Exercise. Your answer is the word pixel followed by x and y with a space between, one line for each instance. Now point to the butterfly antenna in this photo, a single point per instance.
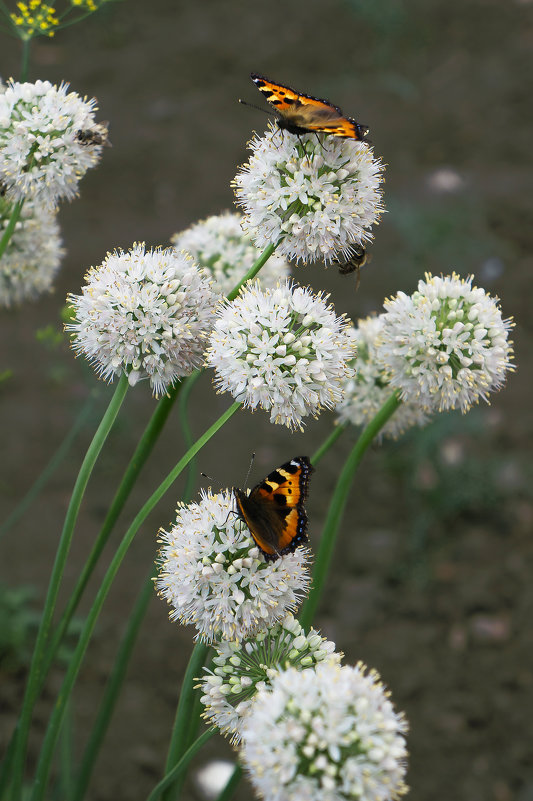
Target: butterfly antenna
pixel 257 108
pixel 214 480
pixel 249 469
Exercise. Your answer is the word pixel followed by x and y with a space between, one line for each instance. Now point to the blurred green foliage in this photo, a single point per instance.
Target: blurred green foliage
pixel 19 622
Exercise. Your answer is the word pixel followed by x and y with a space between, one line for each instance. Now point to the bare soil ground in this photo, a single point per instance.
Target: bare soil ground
pixel 432 584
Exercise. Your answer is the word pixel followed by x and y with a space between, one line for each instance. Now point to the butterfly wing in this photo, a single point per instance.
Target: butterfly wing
pixel 300 113
pixel 274 510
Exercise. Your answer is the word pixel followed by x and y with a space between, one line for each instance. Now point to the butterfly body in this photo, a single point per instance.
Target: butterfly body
pixel 299 113
pixel 274 509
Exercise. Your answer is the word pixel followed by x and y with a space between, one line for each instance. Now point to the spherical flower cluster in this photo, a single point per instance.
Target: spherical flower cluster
pixel 32 256
pixel 145 313
pixel 325 734
pixel 319 195
pixel 243 668
pixel 220 245
pixel 214 576
pixel 446 345
pixel 42 155
pixel 368 390
pixel 283 350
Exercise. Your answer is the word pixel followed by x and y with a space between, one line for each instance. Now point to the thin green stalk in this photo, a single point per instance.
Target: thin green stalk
pixel 112 690
pixel 186 431
pixel 25 66
pixel 231 784
pixel 51 467
pixel 54 725
pixel 254 269
pixel 13 220
pixel 181 728
pixel 141 454
pixel 137 461
pixel 326 445
pixel 66 760
pixel 116 679
pixel 34 679
pixel 337 505
pixel 182 764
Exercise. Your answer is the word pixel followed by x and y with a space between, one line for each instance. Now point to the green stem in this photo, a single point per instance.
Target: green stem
pixel 66 760
pixel 51 467
pixel 187 433
pixel 141 454
pixel 43 767
pixel 13 220
pixel 337 505
pixel 34 679
pixel 181 728
pixel 254 269
pixel 182 764
pixel 25 66
pixel 231 784
pixel 115 682
pixel 112 690
pixel 326 445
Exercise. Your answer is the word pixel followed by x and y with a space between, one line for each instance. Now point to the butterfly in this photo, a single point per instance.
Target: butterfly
pixel 274 509
pixel 299 113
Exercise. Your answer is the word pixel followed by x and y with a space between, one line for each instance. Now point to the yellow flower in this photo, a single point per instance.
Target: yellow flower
pixel 35 18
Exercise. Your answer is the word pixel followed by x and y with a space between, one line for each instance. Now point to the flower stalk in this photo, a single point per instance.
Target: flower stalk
pixel 56 719
pixel 38 660
pixel 337 506
pixel 13 220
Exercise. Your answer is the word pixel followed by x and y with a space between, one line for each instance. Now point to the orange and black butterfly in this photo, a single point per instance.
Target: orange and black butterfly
pixel 274 509
pixel 299 113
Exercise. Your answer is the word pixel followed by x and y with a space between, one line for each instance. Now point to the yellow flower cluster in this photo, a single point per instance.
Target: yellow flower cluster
pixel 88 4
pixel 35 18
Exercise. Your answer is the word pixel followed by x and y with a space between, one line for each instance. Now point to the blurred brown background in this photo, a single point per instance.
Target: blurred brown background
pixel 432 580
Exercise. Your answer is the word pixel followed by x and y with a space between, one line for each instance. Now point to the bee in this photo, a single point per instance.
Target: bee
pixel 97 135
pixel 354 264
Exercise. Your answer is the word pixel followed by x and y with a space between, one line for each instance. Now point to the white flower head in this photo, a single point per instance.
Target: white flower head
pixel 242 668
pixel 31 259
pixel 319 195
pixel 446 345
pixel 220 245
pixel 146 313
pixel 43 155
pixel 368 389
pixel 213 575
pixel 325 734
pixel 283 350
